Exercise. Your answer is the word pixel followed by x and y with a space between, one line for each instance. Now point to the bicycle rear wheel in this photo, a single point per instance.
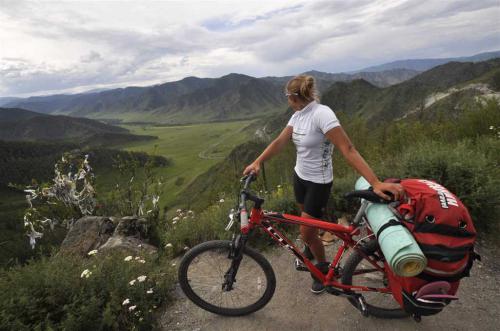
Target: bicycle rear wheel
pixel 360 272
pixel 201 277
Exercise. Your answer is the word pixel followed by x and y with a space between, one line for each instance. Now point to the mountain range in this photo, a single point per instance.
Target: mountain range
pixel 426 64
pixel 237 96
pixel 420 93
pixel 192 99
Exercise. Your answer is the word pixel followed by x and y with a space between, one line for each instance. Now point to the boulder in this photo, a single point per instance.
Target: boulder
pixel 107 233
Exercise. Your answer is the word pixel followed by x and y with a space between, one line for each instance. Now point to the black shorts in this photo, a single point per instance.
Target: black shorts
pixel 313 196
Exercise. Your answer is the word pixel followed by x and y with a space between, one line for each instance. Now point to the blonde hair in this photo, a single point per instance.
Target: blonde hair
pixel 304 86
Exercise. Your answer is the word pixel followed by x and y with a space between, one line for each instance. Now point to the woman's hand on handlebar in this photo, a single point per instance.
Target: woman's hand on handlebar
pixel 396 190
pixel 254 167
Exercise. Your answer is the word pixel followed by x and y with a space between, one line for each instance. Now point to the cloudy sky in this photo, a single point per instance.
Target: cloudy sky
pixel 73 46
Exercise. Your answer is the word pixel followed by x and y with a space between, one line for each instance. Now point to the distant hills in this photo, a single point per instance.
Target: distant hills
pixel 24 125
pixel 192 99
pixel 235 96
pixel 417 94
pixel 426 64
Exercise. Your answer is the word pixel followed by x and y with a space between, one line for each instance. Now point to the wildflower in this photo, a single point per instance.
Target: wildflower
pixel 149 291
pixel 141 278
pixel 137 258
pixel 491 128
pixel 221 200
pixel 132 308
pixel 279 186
pixel 173 264
pixel 178 211
pixel 132 282
pixel 155 200
pixel 174 222
pixel 190 212
pixel 175 219
pixel 125 302
pixel 86 273
pixel 140 319
pixel 169 245
pixel 140 245
pixel 186 248
pixel 92 252
pixel 142 261
pixel 128 258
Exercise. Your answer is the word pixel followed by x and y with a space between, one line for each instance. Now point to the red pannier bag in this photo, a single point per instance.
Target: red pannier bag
pixel 443 228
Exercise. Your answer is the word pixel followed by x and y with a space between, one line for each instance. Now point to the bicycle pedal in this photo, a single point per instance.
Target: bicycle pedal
pixel 300 266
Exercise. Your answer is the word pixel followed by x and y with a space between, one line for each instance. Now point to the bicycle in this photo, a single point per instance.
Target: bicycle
pixel 361 279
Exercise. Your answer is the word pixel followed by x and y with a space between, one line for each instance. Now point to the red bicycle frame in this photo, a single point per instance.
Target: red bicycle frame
pixel 260 219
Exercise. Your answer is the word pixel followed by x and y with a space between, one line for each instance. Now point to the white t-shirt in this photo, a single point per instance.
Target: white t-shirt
pixel 314 150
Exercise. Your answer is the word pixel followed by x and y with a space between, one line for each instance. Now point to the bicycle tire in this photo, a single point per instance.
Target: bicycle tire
pixel 351 265
pixel 252 262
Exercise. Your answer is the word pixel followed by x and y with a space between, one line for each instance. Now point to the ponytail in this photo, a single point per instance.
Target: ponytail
pixel 304 86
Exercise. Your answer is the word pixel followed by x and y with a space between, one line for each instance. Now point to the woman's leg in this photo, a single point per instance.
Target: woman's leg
pixel 310 237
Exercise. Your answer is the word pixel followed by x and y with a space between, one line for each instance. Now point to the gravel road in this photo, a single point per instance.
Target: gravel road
pixel 294 307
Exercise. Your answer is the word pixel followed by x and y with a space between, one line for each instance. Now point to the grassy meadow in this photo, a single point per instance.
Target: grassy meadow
pixel 193 149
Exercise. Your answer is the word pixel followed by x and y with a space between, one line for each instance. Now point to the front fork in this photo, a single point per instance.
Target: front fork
pixel 236 248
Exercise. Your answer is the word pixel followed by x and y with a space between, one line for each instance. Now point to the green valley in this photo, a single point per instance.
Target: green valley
pixel 193 149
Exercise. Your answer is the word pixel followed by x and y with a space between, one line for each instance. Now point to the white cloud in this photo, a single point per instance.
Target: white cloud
pixel 70 46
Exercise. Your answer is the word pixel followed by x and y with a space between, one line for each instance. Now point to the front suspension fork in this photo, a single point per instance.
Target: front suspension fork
pixel 236 248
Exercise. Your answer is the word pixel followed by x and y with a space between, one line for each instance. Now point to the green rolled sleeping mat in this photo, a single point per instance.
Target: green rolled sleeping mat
pixel 399 247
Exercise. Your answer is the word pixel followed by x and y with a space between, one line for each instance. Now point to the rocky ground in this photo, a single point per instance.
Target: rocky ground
pixel 294 307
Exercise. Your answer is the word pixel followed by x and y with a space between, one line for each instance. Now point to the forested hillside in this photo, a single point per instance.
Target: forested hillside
pixel 24 125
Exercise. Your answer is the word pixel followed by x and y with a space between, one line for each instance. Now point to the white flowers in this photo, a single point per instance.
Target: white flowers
pixel 141 278
pixel 155 200
pixel 169 245
pixel 142 261
pixel 126 302
pixel 86 273
pixel 150 291
pixel 221 200
pixel 131 308
pixel 132 282
pixel 128 258
pixel 92 252
pixel 176 218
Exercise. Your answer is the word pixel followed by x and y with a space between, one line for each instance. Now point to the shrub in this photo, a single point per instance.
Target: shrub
pixel 56 293
pixel 464 169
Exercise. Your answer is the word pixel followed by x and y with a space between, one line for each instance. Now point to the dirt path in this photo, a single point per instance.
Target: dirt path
pixel 294 307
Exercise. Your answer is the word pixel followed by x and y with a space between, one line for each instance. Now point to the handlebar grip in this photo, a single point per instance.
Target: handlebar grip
pixel 248 179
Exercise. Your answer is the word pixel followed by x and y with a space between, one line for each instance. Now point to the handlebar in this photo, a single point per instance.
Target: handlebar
pixel 246 194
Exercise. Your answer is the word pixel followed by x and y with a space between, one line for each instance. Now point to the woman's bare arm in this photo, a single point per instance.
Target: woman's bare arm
pixel 272 149
pixel 339 138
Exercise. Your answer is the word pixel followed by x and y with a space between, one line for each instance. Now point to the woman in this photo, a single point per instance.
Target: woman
pixel 315 130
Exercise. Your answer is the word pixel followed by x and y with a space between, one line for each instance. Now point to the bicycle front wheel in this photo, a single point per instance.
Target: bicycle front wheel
pixel 360 272
pixel 201 277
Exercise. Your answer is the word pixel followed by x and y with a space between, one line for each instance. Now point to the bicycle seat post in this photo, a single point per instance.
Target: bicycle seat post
pixel 360 213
